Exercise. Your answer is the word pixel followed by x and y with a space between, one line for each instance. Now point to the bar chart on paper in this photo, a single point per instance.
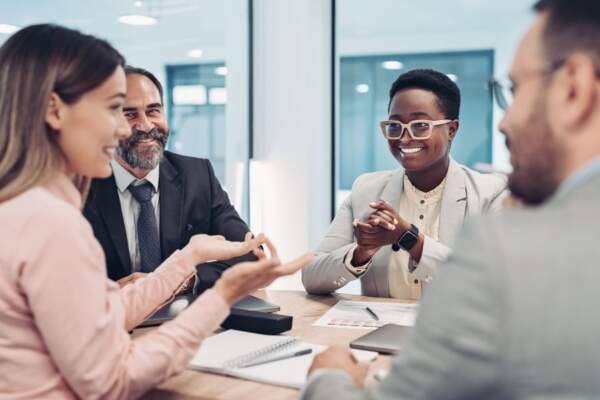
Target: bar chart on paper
pixel 361 314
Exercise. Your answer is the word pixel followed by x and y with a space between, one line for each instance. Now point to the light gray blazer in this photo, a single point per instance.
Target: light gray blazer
pixel 512 315
pixel 467 193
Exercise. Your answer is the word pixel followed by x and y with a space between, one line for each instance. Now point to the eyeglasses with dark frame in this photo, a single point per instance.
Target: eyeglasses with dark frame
pixel 503 90
pixel 420 129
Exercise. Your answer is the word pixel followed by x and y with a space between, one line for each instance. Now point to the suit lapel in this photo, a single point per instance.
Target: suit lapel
pixel 110 208
pixel 171 207
pixel 454 204
pixel 391 193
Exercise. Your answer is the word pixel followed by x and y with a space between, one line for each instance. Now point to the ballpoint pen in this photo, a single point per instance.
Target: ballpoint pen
pixel 372 313
pixel 277 358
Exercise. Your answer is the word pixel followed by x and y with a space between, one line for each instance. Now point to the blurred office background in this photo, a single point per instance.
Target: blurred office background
pixel 198 49
pixel 469 40
pixel 284 96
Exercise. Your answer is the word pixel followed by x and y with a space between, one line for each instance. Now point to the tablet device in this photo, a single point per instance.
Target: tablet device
pixel 385 340
pixel 181 302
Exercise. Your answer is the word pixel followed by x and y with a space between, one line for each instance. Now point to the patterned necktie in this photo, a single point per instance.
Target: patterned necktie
pixel 147 228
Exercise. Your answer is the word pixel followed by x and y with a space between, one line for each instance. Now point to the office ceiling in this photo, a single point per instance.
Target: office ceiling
pixel 199 22
pixel 187 24
pixel 362 18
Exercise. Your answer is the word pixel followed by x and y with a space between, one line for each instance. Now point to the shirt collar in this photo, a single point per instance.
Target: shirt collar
pixel 579 178
pixel 415 195
pixel 124 178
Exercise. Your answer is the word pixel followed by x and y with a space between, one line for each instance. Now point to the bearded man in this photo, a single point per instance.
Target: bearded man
pixel 156 200
pixel 512 314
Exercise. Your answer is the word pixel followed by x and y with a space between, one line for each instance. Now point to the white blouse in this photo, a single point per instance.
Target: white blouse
pixel 423 210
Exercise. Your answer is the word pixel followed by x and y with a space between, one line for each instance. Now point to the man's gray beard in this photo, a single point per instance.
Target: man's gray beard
pixel 140 159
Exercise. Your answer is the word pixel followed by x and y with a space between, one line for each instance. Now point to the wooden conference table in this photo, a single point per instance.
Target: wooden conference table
pixel 306 309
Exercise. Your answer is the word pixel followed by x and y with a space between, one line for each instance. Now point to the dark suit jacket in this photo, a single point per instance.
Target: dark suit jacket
pixel 191 202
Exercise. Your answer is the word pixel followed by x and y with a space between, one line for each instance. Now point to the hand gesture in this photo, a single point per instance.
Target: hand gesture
pixel 386 218
pixel 246 277
pixel 382 227
pixel 204 248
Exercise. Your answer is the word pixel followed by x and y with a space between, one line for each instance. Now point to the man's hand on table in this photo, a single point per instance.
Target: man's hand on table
pixel 337 357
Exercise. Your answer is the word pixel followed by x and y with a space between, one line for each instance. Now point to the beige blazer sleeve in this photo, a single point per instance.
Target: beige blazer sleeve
pixel 327 272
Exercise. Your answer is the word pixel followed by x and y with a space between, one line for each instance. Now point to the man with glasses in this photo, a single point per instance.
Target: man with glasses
pixel 396 226
pixel 514 313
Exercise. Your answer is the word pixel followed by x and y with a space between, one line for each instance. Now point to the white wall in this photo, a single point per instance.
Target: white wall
pixel 236 110
pixel 290 186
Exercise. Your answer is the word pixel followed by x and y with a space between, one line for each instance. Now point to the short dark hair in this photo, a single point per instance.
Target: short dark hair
pixel 444 88
pixel 141 71
pixel 573 25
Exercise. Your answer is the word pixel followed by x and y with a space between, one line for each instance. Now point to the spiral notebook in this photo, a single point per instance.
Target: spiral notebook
pixel 226 353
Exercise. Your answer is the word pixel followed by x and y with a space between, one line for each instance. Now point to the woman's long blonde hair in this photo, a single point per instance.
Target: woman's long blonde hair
pixel 34 63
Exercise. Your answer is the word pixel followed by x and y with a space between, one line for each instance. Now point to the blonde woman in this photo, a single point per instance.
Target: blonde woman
pixel 64 325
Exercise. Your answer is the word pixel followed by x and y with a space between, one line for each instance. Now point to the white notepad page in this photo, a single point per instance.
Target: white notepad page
pixel 353 314
pixel 217 350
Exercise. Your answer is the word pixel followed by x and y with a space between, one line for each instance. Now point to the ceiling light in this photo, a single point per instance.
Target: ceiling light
pixel 138 20
pixel 221 71
pixel 8 29
pixel 362 88
pixel 392 64
pixel 195 53
pixel 452 77
pixel 189 94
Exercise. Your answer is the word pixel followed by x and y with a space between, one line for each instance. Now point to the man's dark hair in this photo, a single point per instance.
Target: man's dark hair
pixel 573 26
pixel 141 71
pixel 436 82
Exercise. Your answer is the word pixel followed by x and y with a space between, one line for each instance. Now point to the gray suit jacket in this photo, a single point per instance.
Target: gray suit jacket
pixel 512 315
pixel 467 193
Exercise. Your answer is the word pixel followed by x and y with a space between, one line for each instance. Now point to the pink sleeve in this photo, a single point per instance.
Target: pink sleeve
pixel 81 318
pixel 144 296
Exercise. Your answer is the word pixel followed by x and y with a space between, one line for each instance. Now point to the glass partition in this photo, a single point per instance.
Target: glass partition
pixel 194 47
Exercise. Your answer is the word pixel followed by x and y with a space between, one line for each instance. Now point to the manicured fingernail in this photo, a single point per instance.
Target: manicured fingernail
pixel 372 203
pixel 395 221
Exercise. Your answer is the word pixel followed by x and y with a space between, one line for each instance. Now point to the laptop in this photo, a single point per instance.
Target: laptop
pixel 181 302
pixel 387 339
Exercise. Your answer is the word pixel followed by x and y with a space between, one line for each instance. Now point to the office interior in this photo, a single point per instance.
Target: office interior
pixel 284 96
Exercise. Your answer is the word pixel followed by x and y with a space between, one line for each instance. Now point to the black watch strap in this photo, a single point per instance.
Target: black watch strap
pixel 407 240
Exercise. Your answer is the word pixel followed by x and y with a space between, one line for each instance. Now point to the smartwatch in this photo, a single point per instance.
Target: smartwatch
pixel 407 240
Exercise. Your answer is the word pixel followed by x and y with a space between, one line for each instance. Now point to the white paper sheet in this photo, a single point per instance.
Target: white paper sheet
pixel 354 314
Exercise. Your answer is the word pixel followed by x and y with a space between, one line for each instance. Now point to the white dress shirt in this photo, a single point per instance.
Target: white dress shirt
pixel 130 208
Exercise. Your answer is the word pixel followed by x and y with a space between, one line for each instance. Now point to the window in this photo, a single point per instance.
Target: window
pixel 193 47
pixel 197 98
pixel 375 41
pixel 364 95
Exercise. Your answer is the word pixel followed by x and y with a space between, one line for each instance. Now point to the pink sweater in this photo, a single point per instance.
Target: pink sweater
pixel 63 324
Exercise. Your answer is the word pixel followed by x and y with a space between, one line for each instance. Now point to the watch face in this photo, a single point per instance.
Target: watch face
pixel 409 238
pixel 408 241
